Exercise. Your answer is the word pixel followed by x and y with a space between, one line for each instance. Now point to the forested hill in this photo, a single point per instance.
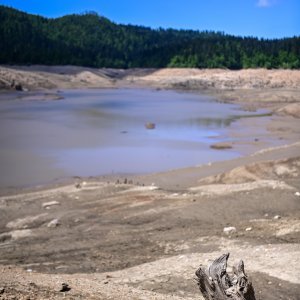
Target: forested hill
pixel 91 40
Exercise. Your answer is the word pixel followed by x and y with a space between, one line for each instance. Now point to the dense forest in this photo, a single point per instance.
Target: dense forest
pixel 92 40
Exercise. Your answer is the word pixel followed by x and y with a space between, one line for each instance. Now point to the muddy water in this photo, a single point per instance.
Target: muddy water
pixel 96 132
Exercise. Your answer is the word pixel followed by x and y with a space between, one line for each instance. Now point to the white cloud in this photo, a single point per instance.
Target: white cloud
pixel 264 3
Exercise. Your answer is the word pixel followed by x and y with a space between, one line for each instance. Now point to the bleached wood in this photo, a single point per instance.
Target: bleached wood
pixel 216 284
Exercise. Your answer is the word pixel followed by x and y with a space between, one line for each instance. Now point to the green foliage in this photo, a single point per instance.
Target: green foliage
pixel 91 40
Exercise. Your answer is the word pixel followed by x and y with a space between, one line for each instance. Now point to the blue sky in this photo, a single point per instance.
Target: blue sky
pixel 262 18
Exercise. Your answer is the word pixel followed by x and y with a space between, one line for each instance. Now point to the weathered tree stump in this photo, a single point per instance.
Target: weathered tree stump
pixel 216 284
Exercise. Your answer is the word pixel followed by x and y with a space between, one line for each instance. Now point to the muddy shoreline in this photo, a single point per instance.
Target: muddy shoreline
pixel 143 237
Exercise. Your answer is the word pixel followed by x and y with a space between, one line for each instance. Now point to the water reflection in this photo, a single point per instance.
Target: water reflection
pixel 211 122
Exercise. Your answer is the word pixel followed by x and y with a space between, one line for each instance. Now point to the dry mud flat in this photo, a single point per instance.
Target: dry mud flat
pixel 110 240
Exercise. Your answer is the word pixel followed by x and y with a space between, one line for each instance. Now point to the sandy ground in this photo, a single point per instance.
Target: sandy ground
pixel 143 237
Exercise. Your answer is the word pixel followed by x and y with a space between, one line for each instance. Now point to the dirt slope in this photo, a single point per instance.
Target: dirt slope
pixel 50 78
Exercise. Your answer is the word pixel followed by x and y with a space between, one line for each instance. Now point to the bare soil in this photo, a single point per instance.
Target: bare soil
pixel 143 237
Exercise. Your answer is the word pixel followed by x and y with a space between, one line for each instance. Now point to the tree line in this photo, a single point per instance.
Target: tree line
pixel 92 40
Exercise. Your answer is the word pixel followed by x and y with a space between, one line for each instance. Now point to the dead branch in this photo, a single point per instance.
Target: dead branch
pixel 216 284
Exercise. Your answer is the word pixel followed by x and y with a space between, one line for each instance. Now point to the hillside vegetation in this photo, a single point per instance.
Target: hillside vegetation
pixel 94 41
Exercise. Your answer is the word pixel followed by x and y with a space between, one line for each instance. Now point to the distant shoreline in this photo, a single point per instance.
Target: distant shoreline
pixel 41 77
pixel 252 88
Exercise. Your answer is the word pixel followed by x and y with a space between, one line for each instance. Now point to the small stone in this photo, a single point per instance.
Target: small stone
pixel 2 290
pixel 54 223
pixel 266 215
pixel 51 203
pixel 32 284
pixel 29 270
pixel 297 194
pixel 150 125
pixel 65 287
pixel 221 146
pixel 277 217
pixel 5 237
pixel 229 230
pixel 18 87
pixel 269 282
pixel 248 229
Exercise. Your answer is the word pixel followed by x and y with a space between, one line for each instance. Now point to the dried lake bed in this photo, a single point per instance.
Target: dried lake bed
pixel 107 239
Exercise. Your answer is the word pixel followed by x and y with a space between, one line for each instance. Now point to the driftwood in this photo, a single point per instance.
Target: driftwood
pixel 216 284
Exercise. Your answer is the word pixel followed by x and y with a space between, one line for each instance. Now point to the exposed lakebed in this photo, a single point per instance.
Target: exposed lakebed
pixel 96 132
